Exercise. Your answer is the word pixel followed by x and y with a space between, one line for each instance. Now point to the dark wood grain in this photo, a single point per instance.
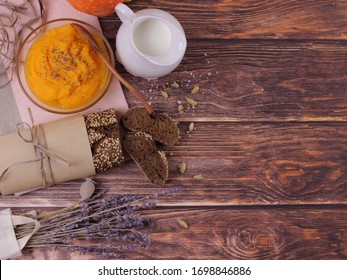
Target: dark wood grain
pixel 245 19
pixel 256 81
pixel 243 164
pixel 219 233
pixel 270 135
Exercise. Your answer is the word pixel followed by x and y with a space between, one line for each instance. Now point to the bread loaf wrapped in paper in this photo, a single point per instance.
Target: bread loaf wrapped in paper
pixel 63 150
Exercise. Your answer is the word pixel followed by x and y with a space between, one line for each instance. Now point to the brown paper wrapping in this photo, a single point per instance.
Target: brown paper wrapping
pixel 66 138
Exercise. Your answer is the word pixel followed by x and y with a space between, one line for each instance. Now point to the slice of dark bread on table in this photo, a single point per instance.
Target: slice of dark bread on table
pixel 143 150
pixel 160 126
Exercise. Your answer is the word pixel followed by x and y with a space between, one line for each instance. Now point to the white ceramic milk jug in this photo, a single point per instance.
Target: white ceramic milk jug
pixel 150 43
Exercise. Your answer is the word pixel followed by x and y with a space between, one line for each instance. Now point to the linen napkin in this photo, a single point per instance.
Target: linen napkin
pixel 10 247
pixel 14 104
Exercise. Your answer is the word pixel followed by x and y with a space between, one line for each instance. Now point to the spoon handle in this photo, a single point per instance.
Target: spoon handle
pixel 133 90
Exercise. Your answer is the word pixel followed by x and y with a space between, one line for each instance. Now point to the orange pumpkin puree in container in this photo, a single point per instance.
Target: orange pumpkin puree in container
pixel 63 70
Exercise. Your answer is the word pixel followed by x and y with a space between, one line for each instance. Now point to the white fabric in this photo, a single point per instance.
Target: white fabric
pixel 10 247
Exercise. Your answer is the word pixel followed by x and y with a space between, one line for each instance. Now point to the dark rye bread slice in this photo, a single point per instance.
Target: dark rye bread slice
pixel 160 126
pixel 143 150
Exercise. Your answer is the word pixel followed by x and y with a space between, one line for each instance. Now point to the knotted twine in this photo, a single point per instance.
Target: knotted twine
pixel 36 133
pixel 16 18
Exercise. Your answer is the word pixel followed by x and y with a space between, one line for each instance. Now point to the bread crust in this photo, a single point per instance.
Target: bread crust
pixel 160 126
pixel 143 150
pixel 103 135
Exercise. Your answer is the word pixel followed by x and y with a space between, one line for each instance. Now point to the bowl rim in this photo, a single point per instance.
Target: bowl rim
pixel 52 109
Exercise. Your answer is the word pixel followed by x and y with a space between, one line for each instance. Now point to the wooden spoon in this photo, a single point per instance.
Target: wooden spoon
pixel 94 44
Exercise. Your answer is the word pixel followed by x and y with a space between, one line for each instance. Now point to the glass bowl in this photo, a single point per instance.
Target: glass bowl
pixel 21 71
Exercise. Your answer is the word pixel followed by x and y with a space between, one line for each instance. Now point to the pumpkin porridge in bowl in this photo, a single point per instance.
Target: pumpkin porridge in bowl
pixel 58 69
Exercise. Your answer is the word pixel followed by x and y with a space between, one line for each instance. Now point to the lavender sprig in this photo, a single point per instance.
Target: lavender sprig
pixel 88 225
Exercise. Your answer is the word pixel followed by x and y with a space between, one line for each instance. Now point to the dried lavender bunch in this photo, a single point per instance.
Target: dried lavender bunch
pixel 111 224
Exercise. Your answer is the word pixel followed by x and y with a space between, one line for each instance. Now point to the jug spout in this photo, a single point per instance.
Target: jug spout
pixel 125 14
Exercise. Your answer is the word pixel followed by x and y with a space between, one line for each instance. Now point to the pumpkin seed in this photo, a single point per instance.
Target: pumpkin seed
pixel 191 101
pixel 199 177
pixel 195 90
pixel 183 167
pixel 183 224
pixel 180 108
pixel 164 94
pixel 191 127
pixel 175 85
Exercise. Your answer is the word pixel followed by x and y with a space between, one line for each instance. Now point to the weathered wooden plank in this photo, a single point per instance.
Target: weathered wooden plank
pixel 244 19
pixel 243 164
pixel 272 190
pixel 218 233
pixel 255 81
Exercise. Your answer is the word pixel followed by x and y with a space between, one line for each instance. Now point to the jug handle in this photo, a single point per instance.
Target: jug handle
pixel 125 14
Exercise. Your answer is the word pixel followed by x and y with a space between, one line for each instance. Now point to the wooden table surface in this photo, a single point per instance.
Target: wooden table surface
pixel 270 135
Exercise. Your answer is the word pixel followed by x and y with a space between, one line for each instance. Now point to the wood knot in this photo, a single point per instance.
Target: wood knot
pixel 258 242
pixel 295 179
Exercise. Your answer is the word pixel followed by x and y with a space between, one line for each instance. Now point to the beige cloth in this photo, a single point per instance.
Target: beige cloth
pixel 10 247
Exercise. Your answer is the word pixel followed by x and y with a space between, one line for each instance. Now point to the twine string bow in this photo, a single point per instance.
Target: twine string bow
pixel 43 155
